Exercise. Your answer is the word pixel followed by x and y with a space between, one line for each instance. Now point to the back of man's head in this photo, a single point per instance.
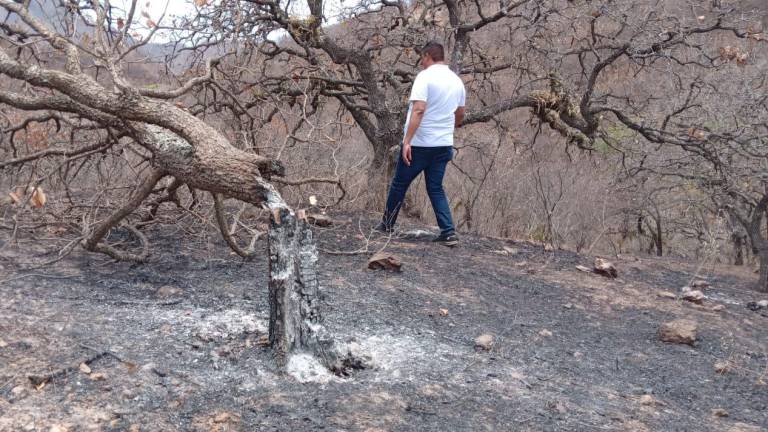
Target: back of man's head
pixel 434 50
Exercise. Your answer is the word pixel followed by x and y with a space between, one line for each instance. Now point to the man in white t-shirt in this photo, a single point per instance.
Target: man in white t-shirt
pixel 436 108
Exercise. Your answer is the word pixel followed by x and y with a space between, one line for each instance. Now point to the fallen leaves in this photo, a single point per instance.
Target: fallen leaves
pixel 382 261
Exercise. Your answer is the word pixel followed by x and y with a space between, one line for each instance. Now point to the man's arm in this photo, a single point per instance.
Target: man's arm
pixel 417 113
pixel 459 116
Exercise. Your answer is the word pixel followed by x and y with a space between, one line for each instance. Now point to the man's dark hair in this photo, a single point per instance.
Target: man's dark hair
pixel 435 51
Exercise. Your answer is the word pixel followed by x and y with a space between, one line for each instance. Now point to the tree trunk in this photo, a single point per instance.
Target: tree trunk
pixel 762 282
pixel 294 295
pixel 738 249
pixel 658 238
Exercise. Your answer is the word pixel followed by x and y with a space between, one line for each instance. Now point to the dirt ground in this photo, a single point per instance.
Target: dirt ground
pixel 178 344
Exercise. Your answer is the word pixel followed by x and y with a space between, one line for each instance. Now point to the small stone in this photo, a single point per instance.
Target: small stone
pixel 19 391
pixel 58 428
pixel 667 294
pixel 722 367
pixel 679 331
pixel 568 305
pixel 545 333
pixel 694 296
pixel 166 291
pixel 763 304
pixel 717 308
pixel 383 261
pixel 97 377
pixel 699 284
pixel 129 394
pixel 3 344
pixel 84 368
pixel 649 400
pixel 719 412
pixel 484 342
pixel 605 268
pixel 320 220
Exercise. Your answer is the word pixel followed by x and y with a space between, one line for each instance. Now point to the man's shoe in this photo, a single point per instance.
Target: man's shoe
pixel 384 228
pixel 447 239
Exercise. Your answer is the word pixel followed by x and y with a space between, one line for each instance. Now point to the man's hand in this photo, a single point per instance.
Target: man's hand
pixel 407 153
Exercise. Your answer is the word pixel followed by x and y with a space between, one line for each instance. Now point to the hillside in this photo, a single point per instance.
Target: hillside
pixel 177 344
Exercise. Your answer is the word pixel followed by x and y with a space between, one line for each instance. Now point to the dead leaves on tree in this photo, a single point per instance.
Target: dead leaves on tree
pixel 36 200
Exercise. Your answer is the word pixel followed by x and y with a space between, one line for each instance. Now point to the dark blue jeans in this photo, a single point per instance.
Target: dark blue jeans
pixel 431 160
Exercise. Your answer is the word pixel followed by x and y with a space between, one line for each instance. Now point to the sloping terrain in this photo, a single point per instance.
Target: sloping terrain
pixel 177 344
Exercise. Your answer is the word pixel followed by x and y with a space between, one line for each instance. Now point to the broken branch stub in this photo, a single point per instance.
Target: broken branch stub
pixel 294 294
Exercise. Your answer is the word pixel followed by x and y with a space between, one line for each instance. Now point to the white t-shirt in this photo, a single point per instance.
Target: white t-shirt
pixel 443 91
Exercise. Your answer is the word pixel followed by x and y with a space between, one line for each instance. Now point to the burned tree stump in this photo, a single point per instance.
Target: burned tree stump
pixel 294 295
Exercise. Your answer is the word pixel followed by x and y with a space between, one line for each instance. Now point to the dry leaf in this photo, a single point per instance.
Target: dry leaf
pixel 38 197
pixel 201 3
pixel 14 197
pixel 443 312
pixel 263 340
pixel 41 385
pixel 84 368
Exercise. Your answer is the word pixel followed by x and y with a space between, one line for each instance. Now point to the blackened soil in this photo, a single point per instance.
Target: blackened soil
pixel 572 351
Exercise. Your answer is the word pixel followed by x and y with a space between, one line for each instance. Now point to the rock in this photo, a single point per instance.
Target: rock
pixel 680 331
pixel 717 308
pixel 166 291
pixel 320 220
pixel 484 342
pixel 19 391
pixel 649 400
pixel 722 367
pixel 59 428
pixel 694 296
pixel 719 412
pixel 416 234
pixel 84 368
pixel 763 304
pixel 383 261
pixel 605 268
pixel 97 377
pixel 667 294
pixel 699 284
pixel 568 306
pixel 545 333
pixel 3 344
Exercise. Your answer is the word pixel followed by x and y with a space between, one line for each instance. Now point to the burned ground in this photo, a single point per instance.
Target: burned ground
pixel 178 344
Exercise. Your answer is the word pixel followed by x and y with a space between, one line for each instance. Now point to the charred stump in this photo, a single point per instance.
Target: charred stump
pixel 294 294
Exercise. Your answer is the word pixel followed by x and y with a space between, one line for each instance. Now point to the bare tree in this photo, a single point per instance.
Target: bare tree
pixel 73 73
